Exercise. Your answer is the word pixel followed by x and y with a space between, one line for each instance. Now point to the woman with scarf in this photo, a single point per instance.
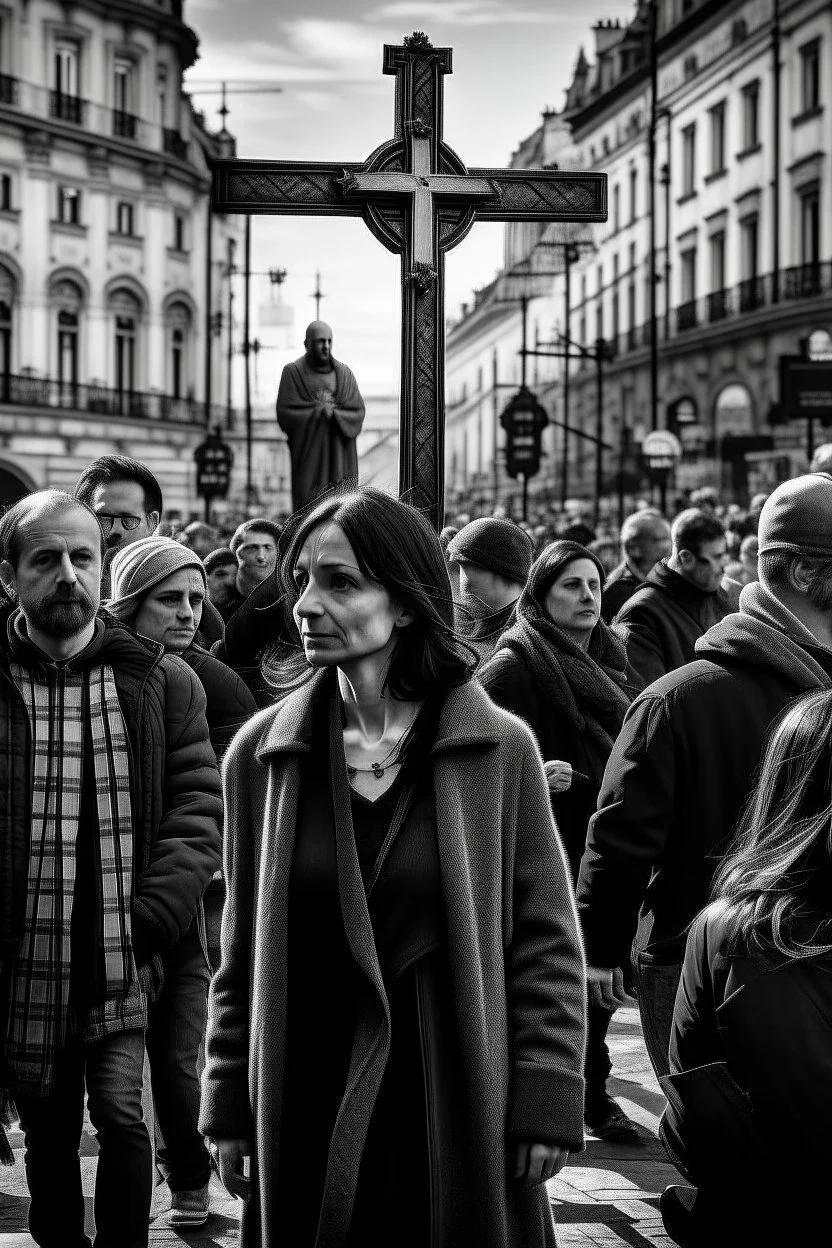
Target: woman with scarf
pixel 563 670
pixel 396 1028
pixel 159 589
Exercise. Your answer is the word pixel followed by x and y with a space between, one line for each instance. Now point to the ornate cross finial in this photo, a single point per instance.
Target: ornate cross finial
pixel 417 42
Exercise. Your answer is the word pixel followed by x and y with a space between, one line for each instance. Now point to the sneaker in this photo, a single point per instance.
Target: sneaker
pixel 190 1208
pixel 611 1123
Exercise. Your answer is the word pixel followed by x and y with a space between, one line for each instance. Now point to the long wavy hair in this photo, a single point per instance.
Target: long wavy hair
pixel 775 881
pixel 396 547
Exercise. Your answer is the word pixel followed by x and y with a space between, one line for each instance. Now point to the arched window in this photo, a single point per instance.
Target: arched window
pixel 178 324
pixel 68 301
pixel 7 296
pixel 126 312
pixel 733 412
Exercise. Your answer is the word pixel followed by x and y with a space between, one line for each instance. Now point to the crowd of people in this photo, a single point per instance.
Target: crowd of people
pixel 477 788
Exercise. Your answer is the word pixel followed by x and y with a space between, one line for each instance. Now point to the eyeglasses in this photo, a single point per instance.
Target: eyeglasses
pixel 107 520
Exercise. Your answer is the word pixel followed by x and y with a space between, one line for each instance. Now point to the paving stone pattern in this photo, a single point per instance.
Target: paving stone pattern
pixel 607 1196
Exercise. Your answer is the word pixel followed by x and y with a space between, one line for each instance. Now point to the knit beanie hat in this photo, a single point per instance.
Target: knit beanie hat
pixel 798 516
pixel 496 545
pixel 140 566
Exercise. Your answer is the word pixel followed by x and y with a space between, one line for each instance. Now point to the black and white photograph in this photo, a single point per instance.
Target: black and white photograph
pixel 415 623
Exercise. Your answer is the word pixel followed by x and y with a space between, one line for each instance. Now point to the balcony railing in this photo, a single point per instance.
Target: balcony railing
pixel 686 316
pixel 125 125
pixel 37 102
pixel 752 294
pixel 45 392
pixel 719 305
pixel 67 108
pixel 175 145
pixel 803 281
pixel 8 90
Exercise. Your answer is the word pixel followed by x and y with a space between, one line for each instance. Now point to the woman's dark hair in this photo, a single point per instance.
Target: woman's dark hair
pixel 778 868
pixel 395 546
pixel 552 561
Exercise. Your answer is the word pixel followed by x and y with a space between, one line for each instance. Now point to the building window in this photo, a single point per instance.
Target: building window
pixel 162 95
pixel 179 334
pixel 751 115
pixel 749 247
pixel 7 300
pixel 633 194
pixel 180 240
pixel 66 69
pixel 123 87
pixel 6 192
pixel 616 208
pixel 599 319
pixel 688 258
pixel 631 305
pixel 689 160
pixel 810 225
pixel 126 312
pixel 717 116
pixel 810 76
pixel 68 302
pixel 717 242
pixel 124 219
pixel 69 205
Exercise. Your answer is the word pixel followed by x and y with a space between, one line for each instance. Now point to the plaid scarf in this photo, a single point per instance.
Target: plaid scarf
pixel 39 1007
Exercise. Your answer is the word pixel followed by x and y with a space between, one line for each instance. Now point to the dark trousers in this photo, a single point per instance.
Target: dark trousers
pixel 112 1070
pixel 656 989
pixel 597 1064
pixel 176 1029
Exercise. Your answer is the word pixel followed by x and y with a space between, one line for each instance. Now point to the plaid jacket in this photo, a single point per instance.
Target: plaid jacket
pixel 174 780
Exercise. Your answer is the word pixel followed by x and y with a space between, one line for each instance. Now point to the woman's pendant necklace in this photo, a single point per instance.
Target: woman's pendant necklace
pixel 390 759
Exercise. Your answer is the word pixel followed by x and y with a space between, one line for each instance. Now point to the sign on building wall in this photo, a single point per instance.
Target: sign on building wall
pixel 806 388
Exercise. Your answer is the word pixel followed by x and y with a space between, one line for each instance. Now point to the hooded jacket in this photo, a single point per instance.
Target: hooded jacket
pixel 679 775
pixel 662 621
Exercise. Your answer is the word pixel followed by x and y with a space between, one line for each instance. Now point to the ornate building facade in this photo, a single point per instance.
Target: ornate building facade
pixel 112 271
pixel 743 240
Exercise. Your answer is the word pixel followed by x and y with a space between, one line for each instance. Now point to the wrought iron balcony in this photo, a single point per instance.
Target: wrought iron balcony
pixel 807 280
pixel 125 125
pixel 49 393
pixel 8 90
pixel 752 294
pixel 719 305
pixel 175 145
pixel 67 108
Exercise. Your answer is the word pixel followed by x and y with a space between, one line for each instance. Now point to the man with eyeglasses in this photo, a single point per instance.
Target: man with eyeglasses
pixel 126 498
pixel 681 598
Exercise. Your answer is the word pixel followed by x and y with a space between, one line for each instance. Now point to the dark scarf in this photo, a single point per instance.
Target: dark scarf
pixel 588 686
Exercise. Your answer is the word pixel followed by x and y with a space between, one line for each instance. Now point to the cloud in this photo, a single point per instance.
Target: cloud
pixel 464 13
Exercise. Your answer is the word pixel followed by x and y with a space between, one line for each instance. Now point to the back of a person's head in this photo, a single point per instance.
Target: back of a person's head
pixel 38 506
pixel 693 528
pixel 769 878
pixel 223 557
pixel 795 526
pixel 254 526
pixel 646 520
pixel 822 458
pixel 109 469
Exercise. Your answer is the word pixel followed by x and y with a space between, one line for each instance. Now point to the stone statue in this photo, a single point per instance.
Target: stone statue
pixel 320 409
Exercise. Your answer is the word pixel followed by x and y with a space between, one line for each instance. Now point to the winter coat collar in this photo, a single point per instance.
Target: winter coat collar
pixel 112 643
pixel 468 718
pixel 664 578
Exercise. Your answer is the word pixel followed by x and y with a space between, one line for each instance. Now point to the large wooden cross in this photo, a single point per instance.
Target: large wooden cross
pixel 419 200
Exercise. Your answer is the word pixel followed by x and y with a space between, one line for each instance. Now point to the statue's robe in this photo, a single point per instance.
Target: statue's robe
pixel 322 449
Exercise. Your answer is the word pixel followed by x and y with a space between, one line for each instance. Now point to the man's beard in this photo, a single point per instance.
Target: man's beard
pixel 61 615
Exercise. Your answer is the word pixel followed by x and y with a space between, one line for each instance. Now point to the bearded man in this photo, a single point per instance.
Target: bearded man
pixel 321 411
pixel 109 836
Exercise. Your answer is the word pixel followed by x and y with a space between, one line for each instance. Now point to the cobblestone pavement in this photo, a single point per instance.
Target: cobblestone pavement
pixel 607 1196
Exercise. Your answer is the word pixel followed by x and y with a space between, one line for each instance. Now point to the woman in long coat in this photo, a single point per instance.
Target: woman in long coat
pixel 396 1029
pixel 563 670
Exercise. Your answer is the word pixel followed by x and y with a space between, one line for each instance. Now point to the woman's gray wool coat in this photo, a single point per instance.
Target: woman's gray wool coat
pixel 512 941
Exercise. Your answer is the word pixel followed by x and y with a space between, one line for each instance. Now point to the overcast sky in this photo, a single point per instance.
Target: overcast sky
pixel 512 59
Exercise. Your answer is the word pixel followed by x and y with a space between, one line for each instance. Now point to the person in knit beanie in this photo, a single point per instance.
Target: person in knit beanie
pixel 494 557
pixel 159 588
